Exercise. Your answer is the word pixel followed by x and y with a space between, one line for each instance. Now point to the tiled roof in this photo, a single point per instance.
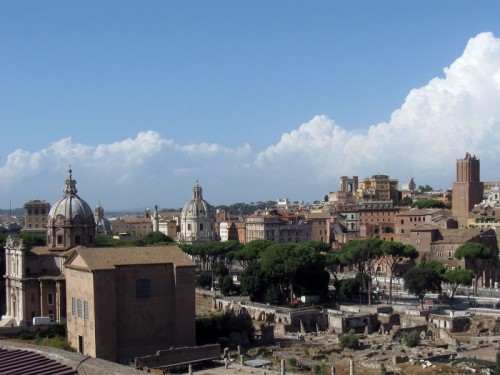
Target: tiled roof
pixel 27 363
pixel 317 215
pixel 109 257
pixel 419 212
pixel 133 220
pixel 45 250
pixel 424 227
pixel 458 236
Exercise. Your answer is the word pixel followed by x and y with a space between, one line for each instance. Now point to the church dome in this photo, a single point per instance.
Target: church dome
pixel 197 220
pixel 71 221
pixel 198 207
pixel 71 205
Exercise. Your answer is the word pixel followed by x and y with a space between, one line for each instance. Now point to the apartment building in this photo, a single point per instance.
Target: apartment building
pixel 35 216
pixel 274 226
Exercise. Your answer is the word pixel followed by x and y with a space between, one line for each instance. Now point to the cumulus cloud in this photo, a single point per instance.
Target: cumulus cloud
pixel 143 162
pixel 437 124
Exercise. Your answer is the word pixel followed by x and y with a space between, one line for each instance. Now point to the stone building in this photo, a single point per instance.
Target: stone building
pixel 379 187
pixel 133 226
pixel 129 302
pixel 118 303
pixel 34 277
pixel 35 216
pixel 277 227
pixel 197 220
pixel 467 189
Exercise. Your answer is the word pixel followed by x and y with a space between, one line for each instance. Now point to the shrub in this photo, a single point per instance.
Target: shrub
pixel 349 340
pixel 294 362
pixel 411 339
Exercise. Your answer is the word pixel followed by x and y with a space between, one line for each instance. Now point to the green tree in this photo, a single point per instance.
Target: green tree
pixel 349 289
pixel 30 239
pixel 394 254
pixel 433 264
pixel 475 255
pixel 411 339
pixel 497 364
pixel 254 282
pixel 349 340
pixel 429 203
pixel 332 264
pixel 250 252
pixel 226 285
pixel 456 278
pixel 155 238
pixel 362 254
pixel 421 280
pixel 425 189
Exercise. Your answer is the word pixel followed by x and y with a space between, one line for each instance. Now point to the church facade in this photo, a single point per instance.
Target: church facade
pixel 34 278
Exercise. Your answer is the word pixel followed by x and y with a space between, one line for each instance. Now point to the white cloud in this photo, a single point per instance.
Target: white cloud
pixel 437 124
pixel 130 167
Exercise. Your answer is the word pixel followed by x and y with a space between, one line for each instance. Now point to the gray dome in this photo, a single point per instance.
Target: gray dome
pixel 71 205
pixel 198 207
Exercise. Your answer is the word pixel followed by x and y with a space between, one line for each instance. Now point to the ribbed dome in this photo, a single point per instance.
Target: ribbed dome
pixel 71 205
pixel 197 220
pixel 197 207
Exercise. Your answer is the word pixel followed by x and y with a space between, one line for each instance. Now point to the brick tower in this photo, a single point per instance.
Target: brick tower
pixel 467 189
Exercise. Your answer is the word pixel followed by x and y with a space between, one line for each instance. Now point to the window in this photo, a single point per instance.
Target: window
pixel 143 288
pixel 59 239
pixel 79 306
pixel 439 254
pixel 189 226
pixel 201 226
pixel 73 306
pixel 85 310
pixel 50 299
pixel 77 240
pixel 450 254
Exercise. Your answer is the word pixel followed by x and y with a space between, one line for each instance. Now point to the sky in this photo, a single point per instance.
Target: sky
pixel 254 100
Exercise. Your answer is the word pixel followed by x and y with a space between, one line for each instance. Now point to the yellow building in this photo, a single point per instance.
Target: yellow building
pixel 379 187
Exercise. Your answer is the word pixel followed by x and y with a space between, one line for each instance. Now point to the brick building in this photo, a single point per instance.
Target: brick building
pixel 128 302
pixel 467 189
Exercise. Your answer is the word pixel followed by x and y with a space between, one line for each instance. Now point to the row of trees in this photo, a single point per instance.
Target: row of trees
pixel 277 272
pixel 364 256
pixel 429 275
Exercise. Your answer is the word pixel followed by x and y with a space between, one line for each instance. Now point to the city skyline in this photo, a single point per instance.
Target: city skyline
pixel 254 101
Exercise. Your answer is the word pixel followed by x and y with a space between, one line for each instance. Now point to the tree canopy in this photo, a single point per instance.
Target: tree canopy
pixel 456 278
pixel 475 255
pixel 394 254
pixel 285 270
pixel 420 280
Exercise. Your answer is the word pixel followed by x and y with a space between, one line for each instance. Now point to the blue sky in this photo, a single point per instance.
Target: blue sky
pixel 256 100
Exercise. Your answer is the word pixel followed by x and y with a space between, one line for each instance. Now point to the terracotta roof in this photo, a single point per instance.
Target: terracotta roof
pixel 420 212
pixel 26 362
pixel 317 215
pixel 424 227
pixel 45 250
pixel 106 258
pixel 134 220
pixel 460 236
